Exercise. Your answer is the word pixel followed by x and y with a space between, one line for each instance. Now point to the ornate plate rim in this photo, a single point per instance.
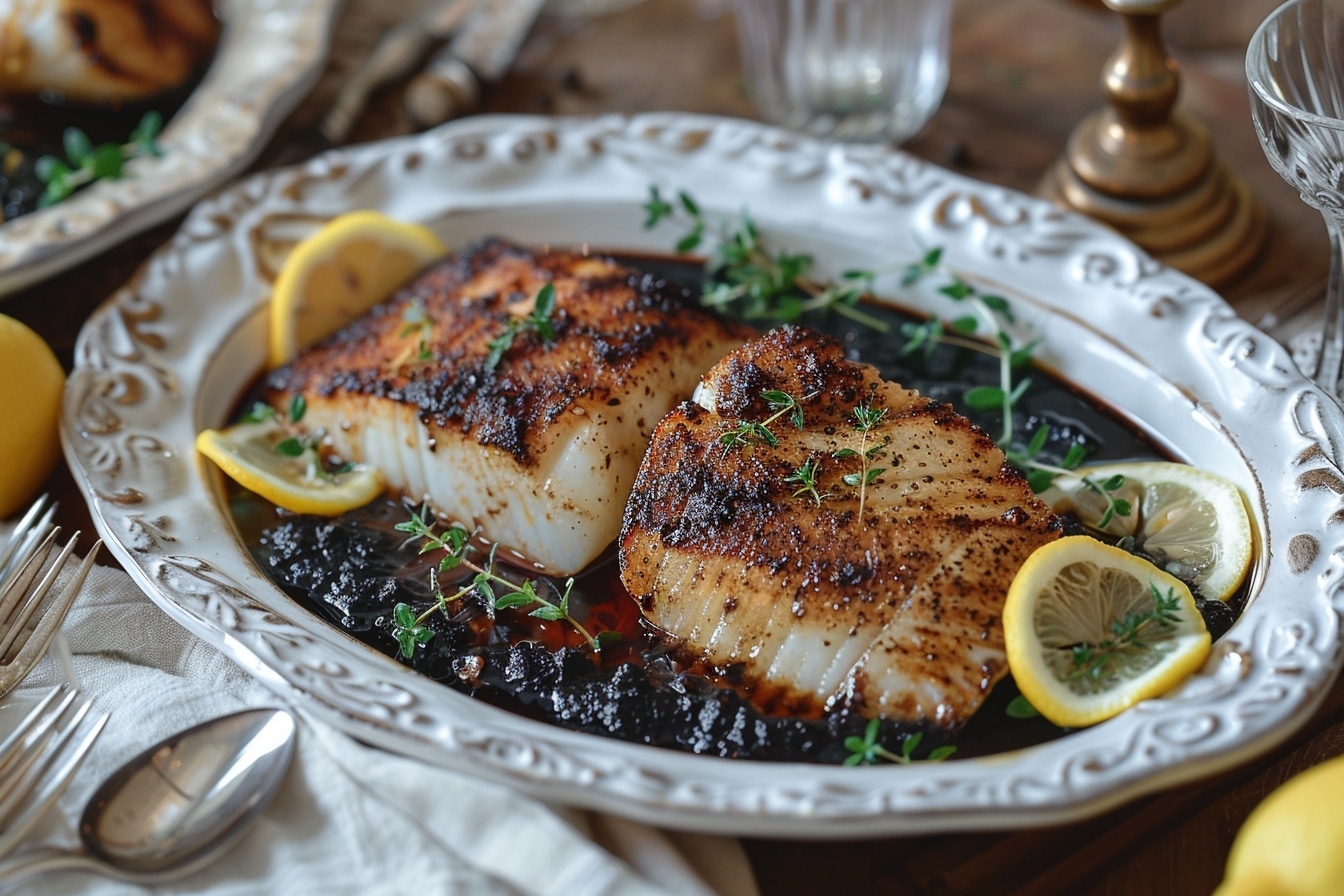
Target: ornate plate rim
pixel 1228 394
pixel 270 55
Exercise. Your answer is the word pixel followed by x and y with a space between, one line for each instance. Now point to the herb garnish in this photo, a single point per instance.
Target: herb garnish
pixel 867 751
pixel 1013 354
pixel 1020 708
pixel 85 163
pixel 538 321
pixel 300 442
pixel 416 321
pixel 866 419
pixel 747 279
pixel 746 432
pixel 1095 661
pixel 1041 476
pixel 805 477
pixel 497 592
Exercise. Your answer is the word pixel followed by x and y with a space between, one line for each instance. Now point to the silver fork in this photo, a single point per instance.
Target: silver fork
pixel 40 757
pixel 31 612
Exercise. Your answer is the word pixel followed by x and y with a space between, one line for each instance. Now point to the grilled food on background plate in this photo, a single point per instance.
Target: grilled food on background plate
pixel 105 52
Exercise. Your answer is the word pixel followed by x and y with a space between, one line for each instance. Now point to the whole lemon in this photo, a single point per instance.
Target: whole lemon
pixel 31 382
pixel 1291 844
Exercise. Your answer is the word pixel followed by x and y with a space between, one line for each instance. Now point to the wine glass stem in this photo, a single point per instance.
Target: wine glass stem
pixel 1328 368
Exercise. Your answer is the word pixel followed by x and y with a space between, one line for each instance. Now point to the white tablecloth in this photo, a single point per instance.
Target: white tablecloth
pixel 348 819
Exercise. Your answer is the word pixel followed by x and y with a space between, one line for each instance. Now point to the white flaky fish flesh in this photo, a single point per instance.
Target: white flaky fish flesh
pixel 537 444
pixel 877 588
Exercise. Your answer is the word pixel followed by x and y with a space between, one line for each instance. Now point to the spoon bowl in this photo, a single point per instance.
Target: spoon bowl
pixel 177 806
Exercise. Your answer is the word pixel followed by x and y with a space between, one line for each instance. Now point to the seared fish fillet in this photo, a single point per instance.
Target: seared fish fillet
pixel 541 450
pixel 884 598
pixel 103 51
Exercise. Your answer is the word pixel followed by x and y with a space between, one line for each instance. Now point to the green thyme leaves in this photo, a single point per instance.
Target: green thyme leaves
pixel 747 278
pixel 85 162
pixel 539 597
pixel 538 321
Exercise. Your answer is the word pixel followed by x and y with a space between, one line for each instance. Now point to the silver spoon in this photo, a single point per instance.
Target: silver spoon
pixel 177 806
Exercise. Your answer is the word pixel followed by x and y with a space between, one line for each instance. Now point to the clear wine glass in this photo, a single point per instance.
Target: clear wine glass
pixel 1295 70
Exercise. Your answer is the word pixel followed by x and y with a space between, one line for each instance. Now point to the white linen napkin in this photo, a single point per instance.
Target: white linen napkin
pixel 348 818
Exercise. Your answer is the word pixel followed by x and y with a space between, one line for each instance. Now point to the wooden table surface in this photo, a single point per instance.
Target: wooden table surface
pixel 1023 73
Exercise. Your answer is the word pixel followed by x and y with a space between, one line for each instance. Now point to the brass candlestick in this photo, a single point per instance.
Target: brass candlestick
pixel 1150 173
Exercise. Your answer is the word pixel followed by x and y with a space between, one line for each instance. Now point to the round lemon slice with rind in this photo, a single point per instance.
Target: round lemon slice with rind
pixel 249 454
pixel 337 274
pixel 1091 630
pixel 1192 523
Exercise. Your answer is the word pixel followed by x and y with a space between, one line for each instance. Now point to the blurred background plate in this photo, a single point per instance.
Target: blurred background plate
pixel 269 56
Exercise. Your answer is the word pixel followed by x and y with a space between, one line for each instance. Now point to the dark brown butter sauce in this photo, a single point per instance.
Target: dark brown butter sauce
pixel 354 569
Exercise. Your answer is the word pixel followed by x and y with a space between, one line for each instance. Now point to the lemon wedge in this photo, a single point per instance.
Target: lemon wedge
pixel 1091 630
pixel 1289 845
pixel 249 454
pixel 338 273
pixel 31 382
pixel 1191 522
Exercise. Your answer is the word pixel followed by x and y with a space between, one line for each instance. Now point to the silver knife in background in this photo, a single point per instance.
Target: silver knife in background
pixel 479 53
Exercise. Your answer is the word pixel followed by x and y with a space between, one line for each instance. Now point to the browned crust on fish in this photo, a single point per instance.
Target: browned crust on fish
pixel 934 551
pixel 609 320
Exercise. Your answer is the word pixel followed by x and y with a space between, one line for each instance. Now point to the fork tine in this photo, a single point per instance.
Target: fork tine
pixel 38 779
pixel 35 723
pixel 19 597
pixel 21 647
pixel 59 606
pixel 24 766
pixel 30 596
pixel 27 531
pixel 52 789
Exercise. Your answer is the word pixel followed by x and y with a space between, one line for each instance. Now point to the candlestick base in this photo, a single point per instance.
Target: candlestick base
pixel 1150 174
pixel 1205 224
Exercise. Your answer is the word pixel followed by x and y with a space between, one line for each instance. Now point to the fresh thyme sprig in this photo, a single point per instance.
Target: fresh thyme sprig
pixel 747 432
pixel 497 592
pixel 538 321
pixel 416 321
pixel 1020 708
pixel 1094 661
pixel 1013 354
pixel 1040 476
pixel 748 279
pixel 805 477
pixel 85 163
pixel 409 630
pixel 866 419
pixel 867 751
pixel 301 442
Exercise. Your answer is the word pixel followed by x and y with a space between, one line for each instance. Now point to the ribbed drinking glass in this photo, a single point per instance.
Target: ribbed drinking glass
pixel 1295 70
pixel 872 70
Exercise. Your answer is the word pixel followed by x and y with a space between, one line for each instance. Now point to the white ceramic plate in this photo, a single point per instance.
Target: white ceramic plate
pixel 171 352
pixel 269 56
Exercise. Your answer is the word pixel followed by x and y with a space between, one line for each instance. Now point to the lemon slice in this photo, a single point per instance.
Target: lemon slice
pixel 338 273
pixel 247 453
pixel 1077 595
pixel 1191 522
